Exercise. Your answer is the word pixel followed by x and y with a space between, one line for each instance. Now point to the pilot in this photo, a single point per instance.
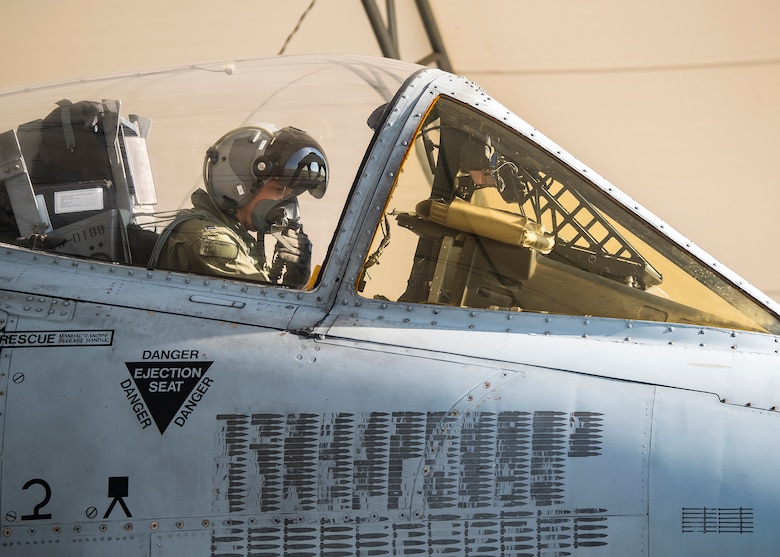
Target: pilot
pixel 253 176
pixel 477 168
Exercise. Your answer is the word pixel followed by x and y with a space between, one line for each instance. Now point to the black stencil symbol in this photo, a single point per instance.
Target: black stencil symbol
pixel 118 489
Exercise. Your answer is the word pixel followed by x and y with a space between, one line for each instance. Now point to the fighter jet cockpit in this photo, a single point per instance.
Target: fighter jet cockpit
pixel 82 185
pixel 481 217
pixel 478 215
pixel 104 170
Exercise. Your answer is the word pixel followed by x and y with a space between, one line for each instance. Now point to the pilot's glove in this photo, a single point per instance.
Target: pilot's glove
pixel 294 248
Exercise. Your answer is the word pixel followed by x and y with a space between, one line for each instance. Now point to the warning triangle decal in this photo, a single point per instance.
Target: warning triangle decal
pixel 165 386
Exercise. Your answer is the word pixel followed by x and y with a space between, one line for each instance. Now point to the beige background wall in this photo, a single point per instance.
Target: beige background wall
pixel 676 101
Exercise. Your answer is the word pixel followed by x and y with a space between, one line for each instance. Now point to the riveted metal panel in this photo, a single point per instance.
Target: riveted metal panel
pixel 36 306
pixel 703 500
pixel 291 442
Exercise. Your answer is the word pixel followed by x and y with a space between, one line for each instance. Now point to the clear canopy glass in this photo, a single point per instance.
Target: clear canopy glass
pixel 152 136
pixel 481 217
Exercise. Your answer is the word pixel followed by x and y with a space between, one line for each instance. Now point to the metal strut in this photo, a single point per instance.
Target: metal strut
pixel 387 35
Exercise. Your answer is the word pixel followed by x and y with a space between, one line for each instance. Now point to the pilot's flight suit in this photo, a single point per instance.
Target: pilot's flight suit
pixel 213 243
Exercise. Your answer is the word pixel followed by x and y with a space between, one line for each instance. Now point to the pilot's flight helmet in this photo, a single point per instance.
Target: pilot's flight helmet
pixel 242 160
pixel 477 167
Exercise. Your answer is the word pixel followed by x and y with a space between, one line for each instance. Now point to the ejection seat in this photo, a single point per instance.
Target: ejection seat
pixel 74 180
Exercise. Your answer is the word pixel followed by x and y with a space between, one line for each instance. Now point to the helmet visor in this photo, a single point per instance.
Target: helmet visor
pixel 305 170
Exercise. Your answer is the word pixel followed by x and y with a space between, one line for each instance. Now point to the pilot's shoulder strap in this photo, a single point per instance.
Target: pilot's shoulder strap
pixel 183 216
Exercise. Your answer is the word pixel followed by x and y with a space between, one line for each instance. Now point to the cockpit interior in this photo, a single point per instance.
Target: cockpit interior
pixel 479 215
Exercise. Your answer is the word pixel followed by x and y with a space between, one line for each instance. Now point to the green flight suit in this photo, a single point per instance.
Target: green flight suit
pixel 211 242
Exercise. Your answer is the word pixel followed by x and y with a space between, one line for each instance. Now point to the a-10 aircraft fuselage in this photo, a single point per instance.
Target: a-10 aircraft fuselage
pixel 498 353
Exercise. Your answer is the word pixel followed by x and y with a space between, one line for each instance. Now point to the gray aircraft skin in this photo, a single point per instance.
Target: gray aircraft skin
pixel 498 352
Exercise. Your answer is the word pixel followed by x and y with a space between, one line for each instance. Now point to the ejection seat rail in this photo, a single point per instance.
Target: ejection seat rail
pixel 19 188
